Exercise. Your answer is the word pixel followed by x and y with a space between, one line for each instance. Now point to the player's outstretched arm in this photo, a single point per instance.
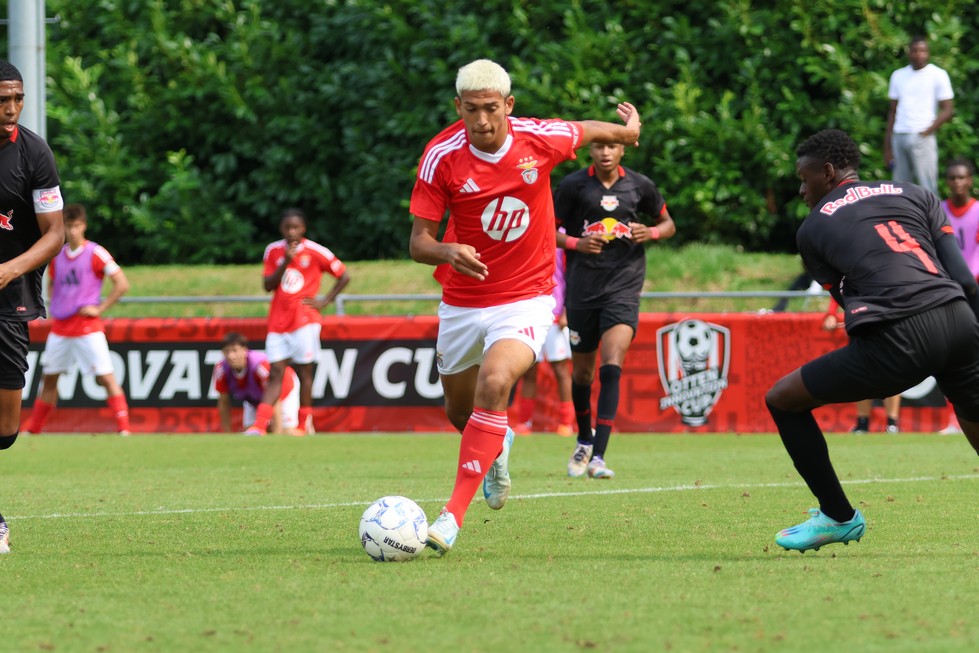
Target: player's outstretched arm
pixel 425 247
pixel 598 131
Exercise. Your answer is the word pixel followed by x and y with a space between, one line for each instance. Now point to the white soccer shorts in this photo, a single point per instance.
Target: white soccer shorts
pixel 90 352
pixel 466 333
pixel 301 346
pixel 557 346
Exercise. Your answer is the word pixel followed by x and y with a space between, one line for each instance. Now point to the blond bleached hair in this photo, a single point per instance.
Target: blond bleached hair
pixel 483 75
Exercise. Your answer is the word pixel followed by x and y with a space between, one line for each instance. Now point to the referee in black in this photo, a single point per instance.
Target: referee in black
pixel 886 252
pixel 31 234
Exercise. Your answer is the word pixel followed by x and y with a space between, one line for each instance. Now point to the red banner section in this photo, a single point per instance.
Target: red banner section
pixel 698 372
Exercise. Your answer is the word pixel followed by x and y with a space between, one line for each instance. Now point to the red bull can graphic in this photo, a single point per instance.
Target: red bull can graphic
pixel 694 359
pixel 608 228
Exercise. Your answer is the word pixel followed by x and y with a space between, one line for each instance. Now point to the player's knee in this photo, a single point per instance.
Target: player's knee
pixel 7 441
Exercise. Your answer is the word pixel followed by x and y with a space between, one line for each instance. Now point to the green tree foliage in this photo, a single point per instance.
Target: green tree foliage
pixel 188 125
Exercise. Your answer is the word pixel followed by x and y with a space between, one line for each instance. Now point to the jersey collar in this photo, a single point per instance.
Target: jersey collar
pixel 591 171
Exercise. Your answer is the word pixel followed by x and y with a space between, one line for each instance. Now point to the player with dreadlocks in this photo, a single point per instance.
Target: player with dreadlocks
pixel 886 252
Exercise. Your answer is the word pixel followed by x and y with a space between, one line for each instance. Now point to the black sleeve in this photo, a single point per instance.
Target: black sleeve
pixel 951 257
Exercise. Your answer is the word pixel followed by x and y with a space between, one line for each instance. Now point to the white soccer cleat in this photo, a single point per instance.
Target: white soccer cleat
pixel 578 464
pixel 496 483
pixel 4 538
pixel 597 469
pixel 442 532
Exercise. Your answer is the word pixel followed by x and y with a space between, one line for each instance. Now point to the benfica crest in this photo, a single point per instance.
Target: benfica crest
pixel 610 202
pixel 694 359
pixel 528 166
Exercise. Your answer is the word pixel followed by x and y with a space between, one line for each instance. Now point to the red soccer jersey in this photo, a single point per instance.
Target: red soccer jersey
pixel 261 375
pixel 103 265
pixel 500 204
pixel 301 280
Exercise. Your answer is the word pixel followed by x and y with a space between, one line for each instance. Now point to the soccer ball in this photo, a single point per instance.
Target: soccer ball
pixel 393 529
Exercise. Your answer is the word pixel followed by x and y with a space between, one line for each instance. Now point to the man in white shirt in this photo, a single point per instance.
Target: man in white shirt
pixel 921 102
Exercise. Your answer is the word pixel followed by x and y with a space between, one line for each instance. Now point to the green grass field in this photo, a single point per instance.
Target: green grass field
pixel 226 543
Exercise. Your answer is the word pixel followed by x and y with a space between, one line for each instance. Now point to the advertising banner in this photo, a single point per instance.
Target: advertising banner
pixel 684 372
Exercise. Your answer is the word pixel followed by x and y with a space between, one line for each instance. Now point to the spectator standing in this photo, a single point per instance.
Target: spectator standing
pixel 77 335
pixel 491 173
pixel 31 233
pixel 243 375
pixel 921 101
pixel 293 271
pixel 600 208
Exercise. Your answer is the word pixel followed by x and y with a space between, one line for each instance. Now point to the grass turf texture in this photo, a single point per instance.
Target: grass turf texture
pixel 224 543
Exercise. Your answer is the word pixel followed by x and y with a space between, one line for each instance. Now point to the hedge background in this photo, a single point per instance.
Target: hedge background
pixel 187 125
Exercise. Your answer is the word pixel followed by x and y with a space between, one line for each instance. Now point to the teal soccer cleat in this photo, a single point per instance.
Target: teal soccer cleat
pixel 820 530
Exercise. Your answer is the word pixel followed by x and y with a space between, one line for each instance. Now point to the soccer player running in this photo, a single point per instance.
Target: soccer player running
pixel 243 374
pixel 491 172
pixel 600 208
pixel 887 253
pixel 77 333
pixel 294 269
pixel 31 233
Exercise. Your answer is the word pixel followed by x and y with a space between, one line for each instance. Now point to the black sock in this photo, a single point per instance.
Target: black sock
pixel 581 398
pixel 608 405
pixel 807 447
pixel 863 423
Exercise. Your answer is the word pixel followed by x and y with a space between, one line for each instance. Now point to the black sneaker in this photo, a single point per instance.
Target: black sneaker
pixel 863 425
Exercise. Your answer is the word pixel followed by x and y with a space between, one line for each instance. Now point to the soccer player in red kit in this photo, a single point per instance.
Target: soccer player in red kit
pixel 77 333
pixel 294 268
pixel 491 173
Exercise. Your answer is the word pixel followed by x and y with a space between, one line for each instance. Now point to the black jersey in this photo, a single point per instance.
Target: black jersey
pixel 874 242
pixel 28 180
pixel 583 205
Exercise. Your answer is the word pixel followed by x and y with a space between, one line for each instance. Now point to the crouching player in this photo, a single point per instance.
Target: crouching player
pixel 244 374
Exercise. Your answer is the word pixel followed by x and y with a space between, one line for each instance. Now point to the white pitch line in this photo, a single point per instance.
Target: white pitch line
pixel 541 495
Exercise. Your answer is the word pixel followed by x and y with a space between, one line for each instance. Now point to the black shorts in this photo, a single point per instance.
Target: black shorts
pixel 586 325
pixel 882 360
pixel 14 338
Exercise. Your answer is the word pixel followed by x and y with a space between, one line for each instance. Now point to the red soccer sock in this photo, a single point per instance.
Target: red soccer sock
pixel 305 417
pixel 119 407
pixel 263 415
pixel 566 413
pixel 39 414
pixel 525 409
pixel 482 442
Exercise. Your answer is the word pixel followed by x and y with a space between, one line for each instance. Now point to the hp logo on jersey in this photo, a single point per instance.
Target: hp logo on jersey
pixel 506 219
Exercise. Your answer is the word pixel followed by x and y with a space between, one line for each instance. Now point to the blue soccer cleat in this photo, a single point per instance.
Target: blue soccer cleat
pixel 820 530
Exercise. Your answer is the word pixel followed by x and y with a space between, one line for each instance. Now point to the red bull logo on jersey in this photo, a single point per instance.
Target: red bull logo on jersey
pixel 48 199
pixel 528 166
pixel 6 219
pixel 694 359
pixel 608 228
pixel 857 193
pixel 609 202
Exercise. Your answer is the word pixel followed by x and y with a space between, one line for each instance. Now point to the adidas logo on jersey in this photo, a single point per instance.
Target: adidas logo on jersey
pixel 469 187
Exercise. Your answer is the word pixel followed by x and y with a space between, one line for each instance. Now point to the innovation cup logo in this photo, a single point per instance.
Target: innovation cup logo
pixel 694 358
